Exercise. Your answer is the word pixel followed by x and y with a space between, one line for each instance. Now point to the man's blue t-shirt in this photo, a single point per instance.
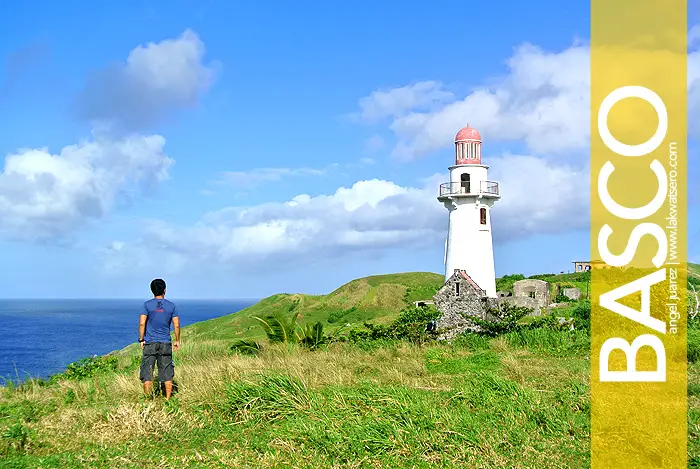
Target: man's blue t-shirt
pixel 160 314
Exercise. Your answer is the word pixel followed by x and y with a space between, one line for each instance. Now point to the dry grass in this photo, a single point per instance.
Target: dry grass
pixel 385 401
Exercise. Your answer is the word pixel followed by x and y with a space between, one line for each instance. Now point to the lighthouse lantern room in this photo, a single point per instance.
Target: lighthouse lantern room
pixel 469 197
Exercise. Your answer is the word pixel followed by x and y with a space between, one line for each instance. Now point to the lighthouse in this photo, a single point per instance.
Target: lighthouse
pixel 469 197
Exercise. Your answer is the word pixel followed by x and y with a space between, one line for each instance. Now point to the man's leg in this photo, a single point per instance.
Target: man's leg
pixel 166 368
pixel 148 361
pixel 168 389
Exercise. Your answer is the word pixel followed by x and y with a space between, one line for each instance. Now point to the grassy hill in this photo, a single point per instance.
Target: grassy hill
pixel 377 298
pixel 694 270
pixel 519 400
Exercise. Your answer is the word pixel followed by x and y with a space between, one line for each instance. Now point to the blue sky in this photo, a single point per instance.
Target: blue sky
pixel 175 138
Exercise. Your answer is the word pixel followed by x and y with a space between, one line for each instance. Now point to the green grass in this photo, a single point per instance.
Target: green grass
pixel 477 403
pixel 519 401
pixel 377 298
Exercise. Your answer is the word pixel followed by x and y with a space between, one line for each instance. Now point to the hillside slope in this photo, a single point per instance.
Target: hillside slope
pixel 378 298
pixel 694 270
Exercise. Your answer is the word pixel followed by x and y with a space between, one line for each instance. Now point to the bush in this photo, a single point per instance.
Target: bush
pixel 87 368
pixel 541 276
pixel 506 282
pixel 582 315
pixel 411 325
pixel 502 320
pixel 562 298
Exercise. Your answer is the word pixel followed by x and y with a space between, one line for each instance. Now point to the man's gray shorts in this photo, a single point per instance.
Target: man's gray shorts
pixel 161 353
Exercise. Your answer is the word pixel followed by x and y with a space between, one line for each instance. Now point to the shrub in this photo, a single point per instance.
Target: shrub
pixel 502 319
pixel 562 298
pixel 541 276
pixel 87 368
pixel 411 325
pixel 506 282
pixel 581 313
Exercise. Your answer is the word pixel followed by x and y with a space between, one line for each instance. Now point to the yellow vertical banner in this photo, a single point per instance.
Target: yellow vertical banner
pixel 638 233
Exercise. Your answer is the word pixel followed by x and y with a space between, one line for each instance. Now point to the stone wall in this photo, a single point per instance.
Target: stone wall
pixel 457 304
pixel 571 293
pixel 540 288
pixel 459 298
pixel 526 302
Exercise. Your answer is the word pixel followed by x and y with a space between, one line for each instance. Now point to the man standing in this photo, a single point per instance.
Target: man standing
pixel 154 336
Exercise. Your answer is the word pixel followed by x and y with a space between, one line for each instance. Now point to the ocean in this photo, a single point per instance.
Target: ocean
pixel 41 337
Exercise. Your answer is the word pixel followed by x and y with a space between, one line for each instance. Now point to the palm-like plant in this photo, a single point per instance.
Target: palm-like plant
pixel 280 329
pixel 247 347
pixel 312 336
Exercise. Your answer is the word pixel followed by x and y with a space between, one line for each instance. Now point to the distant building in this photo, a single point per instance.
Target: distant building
pixel 583 266
pixel 530 293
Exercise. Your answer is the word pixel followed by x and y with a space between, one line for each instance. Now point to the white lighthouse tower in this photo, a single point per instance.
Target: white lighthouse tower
pixel 469 197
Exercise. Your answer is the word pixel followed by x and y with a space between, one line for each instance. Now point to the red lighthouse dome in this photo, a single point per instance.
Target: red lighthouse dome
pixel 468 133
pixel 468 146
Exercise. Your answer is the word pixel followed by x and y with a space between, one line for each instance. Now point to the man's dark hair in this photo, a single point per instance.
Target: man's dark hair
pixel 158 287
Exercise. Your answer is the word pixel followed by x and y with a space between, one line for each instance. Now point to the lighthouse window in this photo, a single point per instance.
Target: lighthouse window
pixel 465 183
pixel 483 215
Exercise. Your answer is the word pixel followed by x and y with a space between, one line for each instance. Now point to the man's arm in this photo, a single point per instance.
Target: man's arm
pixel 142 324
pixel 176 326
pixel 142 328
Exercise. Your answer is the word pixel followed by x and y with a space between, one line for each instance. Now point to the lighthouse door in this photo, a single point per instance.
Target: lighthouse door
pixel 465 183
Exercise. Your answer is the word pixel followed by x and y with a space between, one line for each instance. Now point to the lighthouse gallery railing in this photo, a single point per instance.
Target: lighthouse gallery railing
pixel 469 188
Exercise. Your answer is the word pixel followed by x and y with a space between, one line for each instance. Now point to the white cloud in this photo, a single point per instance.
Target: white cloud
pixel 543 101
pixel 393 102
pixel 539 197
pixel 371 215
pixel 255 177
pixel 45 196
pixel 156 80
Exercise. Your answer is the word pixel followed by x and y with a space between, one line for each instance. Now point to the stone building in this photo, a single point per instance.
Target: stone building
pixel 571 293
pixel 459 298
pixel 583 266
pixel 530 293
